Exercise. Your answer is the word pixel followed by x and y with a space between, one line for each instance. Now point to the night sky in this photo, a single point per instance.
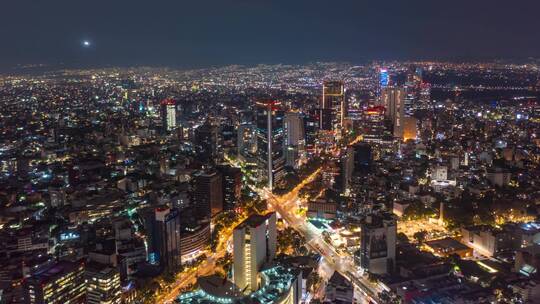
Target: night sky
pixel 183 33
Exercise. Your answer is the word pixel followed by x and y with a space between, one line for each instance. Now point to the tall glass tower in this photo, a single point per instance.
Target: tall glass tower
pixel 270 136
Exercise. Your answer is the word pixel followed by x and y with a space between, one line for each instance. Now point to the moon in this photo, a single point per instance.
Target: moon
pixel 86 43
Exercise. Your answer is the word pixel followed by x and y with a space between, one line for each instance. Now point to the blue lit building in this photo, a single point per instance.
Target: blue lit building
pixel 384 78
pixel 279 285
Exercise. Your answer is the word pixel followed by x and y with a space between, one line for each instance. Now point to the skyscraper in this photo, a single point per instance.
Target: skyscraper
pixel 168 114
pixel 294 129
pixel 163 226
pixel 384 78
pixel 294 138
pixel 231 185
pixel 207 142
pixel 378 243
pixel 409 128
pixel 347 168
pixel 270 139
pixel 208 193
pixel 393 99
pixel 363 157
pixel 246 142
pixel 333 109
pixel 254 242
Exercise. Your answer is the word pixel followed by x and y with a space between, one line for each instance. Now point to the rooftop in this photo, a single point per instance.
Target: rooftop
pixel 56 271
pixel 254 220
pixel 446 244
pixel 276 283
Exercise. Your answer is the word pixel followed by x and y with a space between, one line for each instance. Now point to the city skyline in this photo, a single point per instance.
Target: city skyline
pixel 269 151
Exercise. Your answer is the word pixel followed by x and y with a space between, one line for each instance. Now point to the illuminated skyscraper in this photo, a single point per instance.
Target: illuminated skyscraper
pixel 270 140
pixel 63 282
pixel 333 109
pixel 409 128
pixel 393 99
pixel 163 227
pixel 384 78
pixel 168 114
pixel 254 242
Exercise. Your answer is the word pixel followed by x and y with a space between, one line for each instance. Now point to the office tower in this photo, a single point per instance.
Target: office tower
pixel 372 124
pixel 231 185
pixel 254 243
pixel 384 78
pixel 311 128
pixel 425 93
pixel 378 243
pixel 195 235
pixel 363 156
pixel 294 139
pixel 228 136
pixel 208 193
pixel 333 109
pixel 293 156
pixel 102 284
pixel 206 141
pixel 246 141
pixel 294 129
pixel 163 227
pixel 168 114
pixel 62 282
pixel 409 128
pixel 409 101
pixel 393 99
pixel 347 168
pixel 270 141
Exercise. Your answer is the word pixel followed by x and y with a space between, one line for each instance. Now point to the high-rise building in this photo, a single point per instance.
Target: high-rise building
pixel 246 141
pixel 62 282
pixel 102 284
pixel 294 129
pixel 347 168
pixel 208 193
pixel 333 109
pixel 393 99
pixel 311 128
pixel 363 156
pixel 378 243
pixel 168 114
pixel 384 78
pixel 270 140
pixel 254 242
pixel 195 235
pixel 207 142
pixel 163 227
pixel 231 185
pixel 409 128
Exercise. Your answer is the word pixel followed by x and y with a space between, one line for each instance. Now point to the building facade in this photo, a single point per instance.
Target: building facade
pixel 254 242
pixel 270 140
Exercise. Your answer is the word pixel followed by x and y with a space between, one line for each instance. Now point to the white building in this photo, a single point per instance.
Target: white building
pixel 254 242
